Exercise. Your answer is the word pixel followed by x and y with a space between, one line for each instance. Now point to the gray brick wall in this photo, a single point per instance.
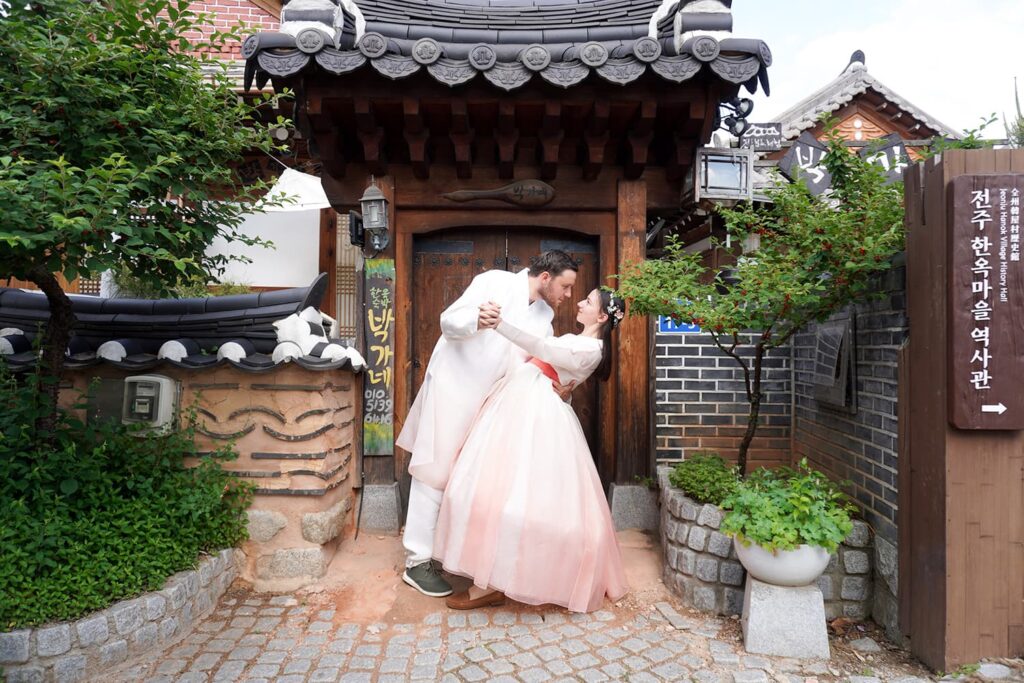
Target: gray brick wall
pixel 859 447
pixel 702 403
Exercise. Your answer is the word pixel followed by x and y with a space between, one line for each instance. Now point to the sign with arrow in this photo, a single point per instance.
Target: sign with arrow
pixel 986 302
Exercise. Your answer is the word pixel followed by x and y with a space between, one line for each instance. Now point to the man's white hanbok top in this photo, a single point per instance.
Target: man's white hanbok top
pixel 465 364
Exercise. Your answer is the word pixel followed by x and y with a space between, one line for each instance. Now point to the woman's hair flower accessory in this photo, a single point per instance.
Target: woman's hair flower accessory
pixel 615 310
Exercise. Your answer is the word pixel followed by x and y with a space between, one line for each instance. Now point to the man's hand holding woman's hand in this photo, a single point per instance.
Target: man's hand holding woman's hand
pixel 490 316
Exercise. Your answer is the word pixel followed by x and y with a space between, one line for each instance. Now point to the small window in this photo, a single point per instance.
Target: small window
pixel 834 378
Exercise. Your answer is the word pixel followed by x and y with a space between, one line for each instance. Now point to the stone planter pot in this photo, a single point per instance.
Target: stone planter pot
pixel 798 567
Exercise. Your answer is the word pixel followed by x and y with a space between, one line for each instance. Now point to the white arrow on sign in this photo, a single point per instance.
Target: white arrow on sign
pixel 997 408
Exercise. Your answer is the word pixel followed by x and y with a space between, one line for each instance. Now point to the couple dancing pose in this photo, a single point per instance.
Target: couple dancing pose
pixel 504 488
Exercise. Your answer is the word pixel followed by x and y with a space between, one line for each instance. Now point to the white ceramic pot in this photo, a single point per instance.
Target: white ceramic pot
pixel 797 567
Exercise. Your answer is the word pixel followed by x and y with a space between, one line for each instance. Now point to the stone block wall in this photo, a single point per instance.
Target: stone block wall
pixel 702 402
pixel 295 432
pixel 127 631
pixel 700 564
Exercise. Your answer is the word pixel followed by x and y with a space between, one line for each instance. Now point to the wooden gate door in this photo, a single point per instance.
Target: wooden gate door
pixel 445 262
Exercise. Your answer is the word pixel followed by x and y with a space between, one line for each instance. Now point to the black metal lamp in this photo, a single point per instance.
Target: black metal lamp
pixel 372 222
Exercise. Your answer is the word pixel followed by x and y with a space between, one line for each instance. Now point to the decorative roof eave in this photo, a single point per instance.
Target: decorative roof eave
pixel 508 66
pixel 196 334
pixel 854 81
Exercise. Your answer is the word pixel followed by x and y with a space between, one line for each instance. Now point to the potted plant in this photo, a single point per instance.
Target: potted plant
pixel 786 523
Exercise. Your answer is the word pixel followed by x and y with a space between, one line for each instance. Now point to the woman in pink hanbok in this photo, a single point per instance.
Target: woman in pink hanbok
pixel 524 513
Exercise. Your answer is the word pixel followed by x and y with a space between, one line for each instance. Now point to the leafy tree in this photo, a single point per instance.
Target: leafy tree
pixel 817 255
pixel 119 135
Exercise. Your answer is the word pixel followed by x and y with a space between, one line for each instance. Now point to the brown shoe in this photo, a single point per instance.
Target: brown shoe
pixel 463 601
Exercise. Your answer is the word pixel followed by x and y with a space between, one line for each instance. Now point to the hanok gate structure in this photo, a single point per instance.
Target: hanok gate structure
pixel 501 128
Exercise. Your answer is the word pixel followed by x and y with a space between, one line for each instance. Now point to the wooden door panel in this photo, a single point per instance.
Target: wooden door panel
pixel 443 266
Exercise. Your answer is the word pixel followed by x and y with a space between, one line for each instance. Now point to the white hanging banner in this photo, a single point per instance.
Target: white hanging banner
pixel 299 192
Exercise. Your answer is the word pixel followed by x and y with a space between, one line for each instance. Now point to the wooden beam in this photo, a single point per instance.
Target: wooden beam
pixel 331 154
pixel 416 136
pixel 462 139
pixel 595 140
pixel 507 138
pixel 551 139
pixel 328 261
pixel 371 135
pixel 682 158
pixel 632 347
pixel 404 330
pixel 641 133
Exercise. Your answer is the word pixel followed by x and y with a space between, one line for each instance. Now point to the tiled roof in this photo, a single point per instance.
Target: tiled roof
pixel 855 80
pixel 510 41
pixel 140 334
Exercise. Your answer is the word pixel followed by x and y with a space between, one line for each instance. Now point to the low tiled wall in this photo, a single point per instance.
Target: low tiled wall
pixel 295 431
pixel 700 564
pixel 93 645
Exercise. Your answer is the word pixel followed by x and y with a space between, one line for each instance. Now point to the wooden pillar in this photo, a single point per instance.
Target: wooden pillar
pixel 328 262
pixel 380 469
pixel 403 344
pixel 961 520
pixel 632 344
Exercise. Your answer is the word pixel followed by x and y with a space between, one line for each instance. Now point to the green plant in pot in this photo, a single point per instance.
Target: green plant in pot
pixel 786 523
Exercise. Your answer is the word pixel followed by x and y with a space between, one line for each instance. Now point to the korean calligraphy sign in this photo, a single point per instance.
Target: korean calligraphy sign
pixel 378 384
pixel 804 160
pixel 890 153
pixel 762 137
pixel 986 302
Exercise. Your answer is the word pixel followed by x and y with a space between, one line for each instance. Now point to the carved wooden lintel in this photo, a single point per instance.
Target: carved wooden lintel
pixel 530 194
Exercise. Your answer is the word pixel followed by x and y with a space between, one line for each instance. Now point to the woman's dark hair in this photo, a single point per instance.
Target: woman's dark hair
pixel 615 308
pixel 554 262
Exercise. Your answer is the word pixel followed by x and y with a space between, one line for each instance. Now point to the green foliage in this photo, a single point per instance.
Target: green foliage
pixel 971 139
pixel 103 513
pixel 705 477
pixel 816 256
pixel 106 114
pixel 128 284
pixel 782 509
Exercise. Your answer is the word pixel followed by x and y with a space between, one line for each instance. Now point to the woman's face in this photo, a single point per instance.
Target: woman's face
pixel 589 311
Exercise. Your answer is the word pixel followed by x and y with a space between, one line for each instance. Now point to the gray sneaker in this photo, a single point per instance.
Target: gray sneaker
pixel 425 578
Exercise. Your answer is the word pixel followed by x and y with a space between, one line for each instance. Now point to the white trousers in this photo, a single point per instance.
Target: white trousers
pixel 420 522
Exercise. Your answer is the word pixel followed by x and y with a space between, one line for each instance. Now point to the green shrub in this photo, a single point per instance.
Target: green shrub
pixel 705 477
pixel 782 509
pixel 96 513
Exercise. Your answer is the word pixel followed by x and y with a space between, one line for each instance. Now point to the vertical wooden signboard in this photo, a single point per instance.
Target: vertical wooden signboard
pixel 378 385
pixel 986 299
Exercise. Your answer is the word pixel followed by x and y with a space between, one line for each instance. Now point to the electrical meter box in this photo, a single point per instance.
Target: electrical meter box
pixel 151 400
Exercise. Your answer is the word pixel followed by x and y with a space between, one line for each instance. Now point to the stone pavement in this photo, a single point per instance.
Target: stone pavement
pixel 361 624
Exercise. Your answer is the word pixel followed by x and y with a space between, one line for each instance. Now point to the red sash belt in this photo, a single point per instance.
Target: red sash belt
pixel 546 368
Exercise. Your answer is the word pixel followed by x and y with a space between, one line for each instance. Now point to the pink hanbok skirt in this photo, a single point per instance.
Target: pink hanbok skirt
pixel 524 511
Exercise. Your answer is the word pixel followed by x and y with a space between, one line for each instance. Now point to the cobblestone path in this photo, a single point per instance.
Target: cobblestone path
pixel 275 638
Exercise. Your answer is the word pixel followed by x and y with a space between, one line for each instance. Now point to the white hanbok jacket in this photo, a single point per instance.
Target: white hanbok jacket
pixel 465 364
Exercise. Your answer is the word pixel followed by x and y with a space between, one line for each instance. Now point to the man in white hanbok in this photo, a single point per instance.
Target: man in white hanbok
pixel 469 358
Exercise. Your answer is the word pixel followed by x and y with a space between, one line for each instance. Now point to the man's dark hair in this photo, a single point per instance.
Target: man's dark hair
pixel 554 262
